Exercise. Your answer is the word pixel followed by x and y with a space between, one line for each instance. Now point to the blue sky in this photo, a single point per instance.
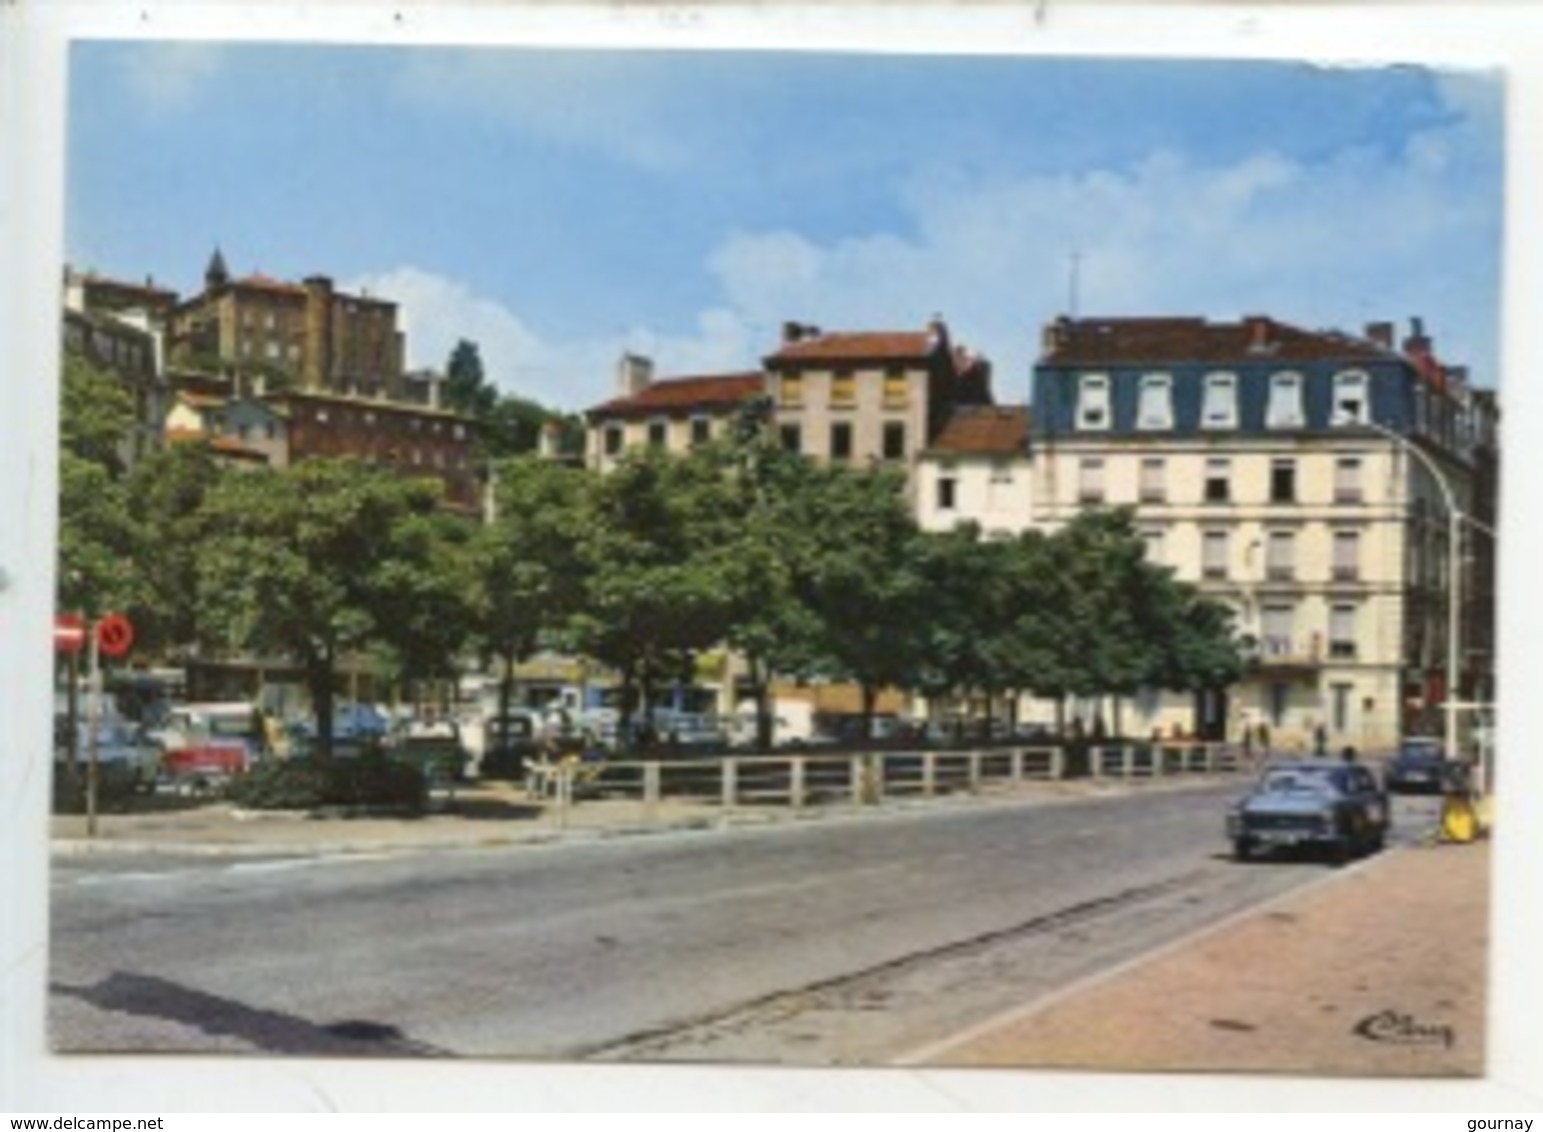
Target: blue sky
pixel 561 207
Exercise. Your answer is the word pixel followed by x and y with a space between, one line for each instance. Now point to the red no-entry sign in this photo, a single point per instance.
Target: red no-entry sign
pixel 69 632
pixel 114 635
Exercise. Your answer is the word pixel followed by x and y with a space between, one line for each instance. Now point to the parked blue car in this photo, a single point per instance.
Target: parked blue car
pixel 1313 804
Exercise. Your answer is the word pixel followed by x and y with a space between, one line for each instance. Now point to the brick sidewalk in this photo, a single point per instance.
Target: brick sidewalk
pixel 1379 971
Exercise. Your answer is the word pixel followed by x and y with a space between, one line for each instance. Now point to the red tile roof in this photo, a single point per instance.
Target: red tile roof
pixel 223 445
pixel 878 346
pixel 685 394
pixel 1138 341
pixel 985 430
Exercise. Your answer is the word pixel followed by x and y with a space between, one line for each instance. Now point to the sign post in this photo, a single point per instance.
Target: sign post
pixel 93 721
pixel 112 636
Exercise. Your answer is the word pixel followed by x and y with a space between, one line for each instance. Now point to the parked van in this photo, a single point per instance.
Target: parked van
pixel 792 724
pixel 210 741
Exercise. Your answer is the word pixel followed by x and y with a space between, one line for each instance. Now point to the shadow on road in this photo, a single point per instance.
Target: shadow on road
pixel 269 1030
pixel 475 808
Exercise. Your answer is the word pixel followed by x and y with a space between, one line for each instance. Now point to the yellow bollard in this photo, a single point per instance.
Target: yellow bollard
pixel 1459 822
pixel 1484 814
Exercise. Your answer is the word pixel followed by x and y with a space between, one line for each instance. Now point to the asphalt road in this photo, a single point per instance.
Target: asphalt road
pixel 845 941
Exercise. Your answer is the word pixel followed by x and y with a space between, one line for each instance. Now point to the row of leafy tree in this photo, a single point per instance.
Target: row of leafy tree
pixel 801 569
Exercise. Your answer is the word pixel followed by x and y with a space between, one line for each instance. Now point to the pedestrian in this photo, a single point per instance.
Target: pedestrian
pixel 1320 741
pixel 1348 755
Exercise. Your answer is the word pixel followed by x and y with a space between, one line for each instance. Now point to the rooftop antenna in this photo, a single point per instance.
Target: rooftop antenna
pixel 1072 281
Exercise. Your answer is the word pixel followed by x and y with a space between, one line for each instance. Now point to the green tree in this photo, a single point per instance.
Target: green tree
pixel 858 573
pixel 527 572
pixel 1124 623
pixel 660 573
pixel 166 492
pixel 325 559
pixel 504 425
pixel 466 388
pixel 771 628
pixel 973 594
pixel 99 542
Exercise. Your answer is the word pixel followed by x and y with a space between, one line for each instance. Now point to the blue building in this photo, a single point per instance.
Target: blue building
pixel 1309 479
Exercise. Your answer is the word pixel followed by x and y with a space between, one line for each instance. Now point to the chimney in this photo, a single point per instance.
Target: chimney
pixel 634 374
pixel 1258 327
pixel 316 366
pixel 937 333
pixel 1380 334
pixel 1418 344
pixel 1056 334
pixel 434 387
pixel 798 332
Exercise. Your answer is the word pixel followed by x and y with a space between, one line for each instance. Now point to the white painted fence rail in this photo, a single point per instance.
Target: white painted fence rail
pixel 804 780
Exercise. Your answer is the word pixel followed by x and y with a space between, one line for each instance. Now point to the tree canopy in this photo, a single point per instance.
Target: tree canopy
pixel 324 559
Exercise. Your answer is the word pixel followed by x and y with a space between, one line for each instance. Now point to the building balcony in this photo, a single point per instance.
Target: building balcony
pixel 1283 655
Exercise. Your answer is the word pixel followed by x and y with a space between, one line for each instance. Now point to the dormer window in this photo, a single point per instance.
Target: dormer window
pixel 1285 406
pixel 1351 400
pixel 1155 410
pixel 1219 404
pixel 1093 401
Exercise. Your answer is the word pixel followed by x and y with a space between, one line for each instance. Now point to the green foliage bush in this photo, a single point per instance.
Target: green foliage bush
pixel 370 781
pixel 116 787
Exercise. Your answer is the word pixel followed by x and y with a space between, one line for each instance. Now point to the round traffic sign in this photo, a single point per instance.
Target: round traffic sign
pixel 69 632
pixel 114 635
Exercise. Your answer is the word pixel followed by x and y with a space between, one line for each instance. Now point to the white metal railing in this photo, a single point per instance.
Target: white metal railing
pixel 806 780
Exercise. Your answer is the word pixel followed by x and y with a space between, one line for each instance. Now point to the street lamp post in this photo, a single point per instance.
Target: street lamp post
pixel 1455 519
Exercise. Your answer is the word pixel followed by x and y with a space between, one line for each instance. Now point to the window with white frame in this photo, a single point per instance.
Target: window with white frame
pixel 1090 480
pixel 1284 409
pixel 614 439
pixel 1218 480
pixel 1155 407
pixel 1342 618
pixel 1213 554
pixel 1346 565
pixel 1219 401
pixel 1153 485
pixel 1152 539
pixel 1276 624
pixel 1347 480
pixel 1093 401
pixel 1280 562
pixel 1350 397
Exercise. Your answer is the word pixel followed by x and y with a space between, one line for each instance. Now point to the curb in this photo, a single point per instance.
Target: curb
pixel 1088 791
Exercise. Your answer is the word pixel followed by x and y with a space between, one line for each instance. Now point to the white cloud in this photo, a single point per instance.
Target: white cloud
pixel 574 374
pixel 1331 244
